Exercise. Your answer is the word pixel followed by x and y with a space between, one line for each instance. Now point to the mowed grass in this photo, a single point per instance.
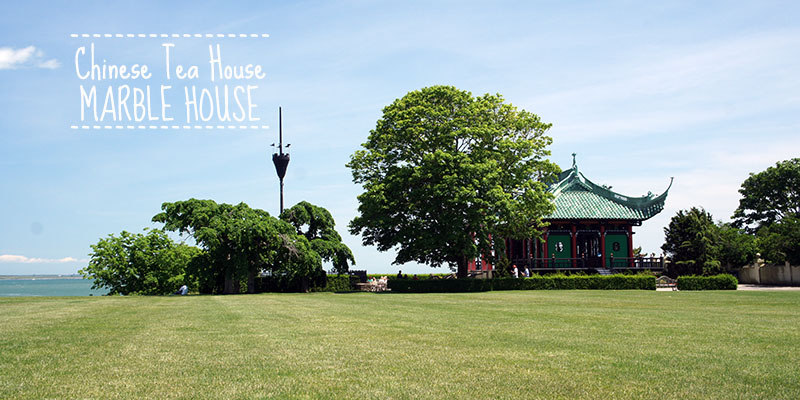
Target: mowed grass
pixel 521 344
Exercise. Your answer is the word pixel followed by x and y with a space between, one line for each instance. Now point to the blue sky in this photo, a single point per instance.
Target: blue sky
pixel 705 93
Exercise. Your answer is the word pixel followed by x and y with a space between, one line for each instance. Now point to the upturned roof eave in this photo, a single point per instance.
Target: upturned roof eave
pixel 576 178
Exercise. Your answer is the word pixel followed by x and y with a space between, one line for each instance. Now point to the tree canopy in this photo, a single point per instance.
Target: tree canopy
pixel 135 263
pixel 238 240
pixel 737 247
pixel 780 242
pixel 446 175
pixel 318 227
pixel 692 243
pixel 769 196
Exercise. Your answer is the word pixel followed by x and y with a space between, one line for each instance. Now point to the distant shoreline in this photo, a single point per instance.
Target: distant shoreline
pixel 32 277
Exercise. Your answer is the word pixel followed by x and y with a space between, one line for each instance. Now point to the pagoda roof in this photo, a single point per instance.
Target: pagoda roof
pixel 576 197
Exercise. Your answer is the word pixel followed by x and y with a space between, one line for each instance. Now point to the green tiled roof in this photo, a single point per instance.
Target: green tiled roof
pixel 579 198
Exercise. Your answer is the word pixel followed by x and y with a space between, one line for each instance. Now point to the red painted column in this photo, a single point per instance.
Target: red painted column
pixel 524 248
pixel 630 246
pixel 603 245
pixel 544 244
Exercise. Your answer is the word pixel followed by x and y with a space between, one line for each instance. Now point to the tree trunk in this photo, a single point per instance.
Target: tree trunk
pixel 251 281
pixel 304 284
pixel 229 289
pixel 462 267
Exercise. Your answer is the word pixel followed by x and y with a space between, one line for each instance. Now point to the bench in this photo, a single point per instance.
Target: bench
pixel 664 281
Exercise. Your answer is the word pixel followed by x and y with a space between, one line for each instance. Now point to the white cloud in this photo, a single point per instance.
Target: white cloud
pixel 50 64
pixel 28 57
pixel 11 258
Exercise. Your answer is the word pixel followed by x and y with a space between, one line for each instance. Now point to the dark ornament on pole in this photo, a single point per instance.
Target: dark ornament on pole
pixel 280 159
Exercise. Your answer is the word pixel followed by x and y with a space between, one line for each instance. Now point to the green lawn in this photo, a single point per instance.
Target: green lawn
pixel 521 344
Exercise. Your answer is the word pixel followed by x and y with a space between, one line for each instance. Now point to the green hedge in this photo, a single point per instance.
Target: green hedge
pixel 715 282
pixel 536 282
pixel 439 285
pixel 410 276
pixel 330 283
pixel 338 283
pixel 567 282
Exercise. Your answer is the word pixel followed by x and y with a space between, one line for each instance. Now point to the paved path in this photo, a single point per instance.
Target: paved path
pixel 747 286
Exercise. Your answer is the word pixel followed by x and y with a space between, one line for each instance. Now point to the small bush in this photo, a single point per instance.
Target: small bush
pixel 715 282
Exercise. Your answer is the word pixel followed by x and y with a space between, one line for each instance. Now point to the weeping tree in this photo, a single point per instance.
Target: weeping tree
pixel 446 175
pixel 239 241
pixel 318 227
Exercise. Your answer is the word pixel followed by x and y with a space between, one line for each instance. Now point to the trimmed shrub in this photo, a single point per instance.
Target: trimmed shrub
pixel 567 282
pixel 715 282
pixel 338 283
pixel 410 276
pixel 439 285
pixel 323 283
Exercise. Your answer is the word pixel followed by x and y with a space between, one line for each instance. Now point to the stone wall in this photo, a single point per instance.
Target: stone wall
pixel 781 275
pixel 749 274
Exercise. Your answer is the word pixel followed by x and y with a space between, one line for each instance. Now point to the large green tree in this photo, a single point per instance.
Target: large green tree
pixel 769 196
pixel 316 224
pixel 691 241
pixel 446 175
pixel 135 263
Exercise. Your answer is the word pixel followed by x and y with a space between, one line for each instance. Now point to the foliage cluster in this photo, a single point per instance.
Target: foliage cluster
pixel 691 241
pixel 135 263
pixel 236 242
pixel 769 196
pixel 770 209
pixel 767 221
pixel 714 282
pixel 780 241
pixel 316 224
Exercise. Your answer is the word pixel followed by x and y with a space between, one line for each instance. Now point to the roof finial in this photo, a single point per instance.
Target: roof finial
pixel 573 160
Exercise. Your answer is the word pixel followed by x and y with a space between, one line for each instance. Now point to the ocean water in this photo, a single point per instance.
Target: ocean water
pixel 48 287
